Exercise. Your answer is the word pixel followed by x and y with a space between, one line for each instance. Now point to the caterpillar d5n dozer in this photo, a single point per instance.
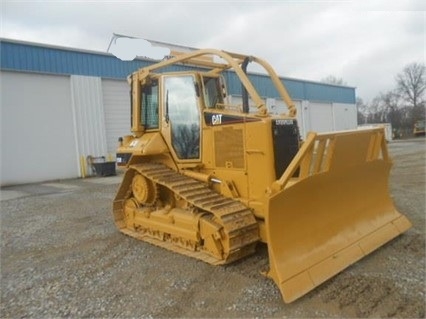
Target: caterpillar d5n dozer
pixel 210 180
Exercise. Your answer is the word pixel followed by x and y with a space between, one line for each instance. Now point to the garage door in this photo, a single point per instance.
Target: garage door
pixel 320 117
pixel 345 116
pixel 37 133
pixel 116 99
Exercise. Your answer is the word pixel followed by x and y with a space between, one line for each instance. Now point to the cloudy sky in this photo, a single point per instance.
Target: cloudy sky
pixel 364 42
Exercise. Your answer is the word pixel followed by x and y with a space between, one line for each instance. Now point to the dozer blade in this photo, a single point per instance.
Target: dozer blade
pixel 330 208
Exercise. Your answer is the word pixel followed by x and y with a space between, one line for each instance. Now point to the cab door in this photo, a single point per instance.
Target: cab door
pixel 181 121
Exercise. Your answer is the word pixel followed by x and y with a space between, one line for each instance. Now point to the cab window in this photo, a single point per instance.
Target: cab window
pixel 212 92
pixel 183 115
pixel 149 106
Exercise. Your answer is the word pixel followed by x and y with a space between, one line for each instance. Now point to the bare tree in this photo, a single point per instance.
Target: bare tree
pixel 362 111
pixel 385 107
pixel 377 110
pixel 411 84
pixel 394 112
pixel 405 104
pixel 331 79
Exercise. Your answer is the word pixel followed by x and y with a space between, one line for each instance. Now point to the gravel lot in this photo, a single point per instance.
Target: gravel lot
pixel 61 256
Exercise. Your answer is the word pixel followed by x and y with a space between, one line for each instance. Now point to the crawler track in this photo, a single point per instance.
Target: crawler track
pixel 239 228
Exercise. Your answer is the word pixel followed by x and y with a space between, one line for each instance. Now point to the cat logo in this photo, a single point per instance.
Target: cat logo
pixel 217 119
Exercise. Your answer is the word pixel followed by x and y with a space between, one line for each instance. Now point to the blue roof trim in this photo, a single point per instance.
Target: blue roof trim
pixel 44 59
pixel 23 57
pixel 298 89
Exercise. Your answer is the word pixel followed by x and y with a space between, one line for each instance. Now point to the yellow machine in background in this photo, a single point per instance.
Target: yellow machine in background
pixel 210 180
pixel 419 128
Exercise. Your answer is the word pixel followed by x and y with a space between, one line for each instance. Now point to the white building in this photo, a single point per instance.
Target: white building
pixel 60 104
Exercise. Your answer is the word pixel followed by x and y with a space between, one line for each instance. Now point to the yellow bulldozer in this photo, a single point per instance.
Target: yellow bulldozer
pixel 211 180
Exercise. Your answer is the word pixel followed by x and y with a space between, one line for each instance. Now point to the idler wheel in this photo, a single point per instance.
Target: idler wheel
pixel 144 190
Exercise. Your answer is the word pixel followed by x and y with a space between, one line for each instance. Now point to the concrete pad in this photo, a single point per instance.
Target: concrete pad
pixel 61 186
pixel 11 194
pixel 108 180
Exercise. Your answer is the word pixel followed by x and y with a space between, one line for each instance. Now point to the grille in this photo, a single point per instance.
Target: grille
pixel 229 148
pixel 286 144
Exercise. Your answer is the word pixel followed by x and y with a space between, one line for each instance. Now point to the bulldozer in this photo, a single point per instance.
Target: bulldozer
pixel 210 180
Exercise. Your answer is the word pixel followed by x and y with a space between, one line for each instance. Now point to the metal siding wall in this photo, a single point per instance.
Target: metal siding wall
pixel 344 116
pixel 38 58
pixel 263 85
pixel 100 138
pixel 89 116
pixel 294 88
pixel 320 117
pixel 25 57
pixel 117 111
pixel 37 140
pixel 298 90
pixel 329 93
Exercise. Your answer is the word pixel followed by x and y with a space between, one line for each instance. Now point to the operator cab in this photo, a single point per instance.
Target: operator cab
pixel 177 100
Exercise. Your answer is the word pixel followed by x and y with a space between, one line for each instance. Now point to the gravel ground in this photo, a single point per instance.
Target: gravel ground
pixel 61 256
